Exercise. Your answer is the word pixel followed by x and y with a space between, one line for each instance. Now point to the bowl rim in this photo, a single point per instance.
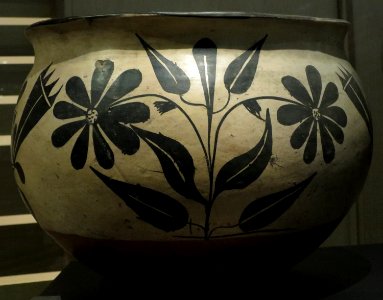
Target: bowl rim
pixel 202 14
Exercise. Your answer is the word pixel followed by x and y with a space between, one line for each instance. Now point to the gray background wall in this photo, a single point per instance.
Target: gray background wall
pixel 24 248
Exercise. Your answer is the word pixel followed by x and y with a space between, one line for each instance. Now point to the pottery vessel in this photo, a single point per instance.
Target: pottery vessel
pixel 198 134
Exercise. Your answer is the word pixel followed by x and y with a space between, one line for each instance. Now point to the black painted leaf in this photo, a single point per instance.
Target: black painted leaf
pixel 354 92
pixel 22 90
pixel 205 56
pixel 242 170
pixel 151 206
pixel 38 103
pixel 20 171
pixel 240 73
pixel 14 124
pixel 264 211
pixel 176 162
pixel 253 107
pixel 171 77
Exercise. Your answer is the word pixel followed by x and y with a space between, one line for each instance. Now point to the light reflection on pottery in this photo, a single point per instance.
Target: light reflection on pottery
pixel 190 134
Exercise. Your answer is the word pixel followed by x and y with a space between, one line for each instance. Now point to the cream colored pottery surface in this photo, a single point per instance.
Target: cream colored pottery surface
pixel 145 130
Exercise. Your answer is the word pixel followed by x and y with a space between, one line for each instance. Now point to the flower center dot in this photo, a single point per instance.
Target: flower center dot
pixel 316 114
pixel 91 116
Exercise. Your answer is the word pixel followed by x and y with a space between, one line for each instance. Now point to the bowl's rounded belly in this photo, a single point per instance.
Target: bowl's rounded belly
pixel 194 151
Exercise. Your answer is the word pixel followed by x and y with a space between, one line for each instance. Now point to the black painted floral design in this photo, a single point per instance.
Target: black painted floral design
pixel 313 112
pixel 38 103
pixel 355 94
pixel 105 115
pixel 97 116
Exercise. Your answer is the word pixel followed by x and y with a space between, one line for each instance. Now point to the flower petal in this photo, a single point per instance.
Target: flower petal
pixel 100 78
pixel 132 112
pixel 80 150
pixel 334 129
pixel 165 106
pixel 311 145
pixel 290 114
pixel 125 83
pixel 328 149
pixel 315 82
pixel 65 132
pixel 297 90
pixel 102 150
pixel 66 110
pixel 76 91
pixel 122 136
pixel 301 134
pixel 330 95
pixel 335 113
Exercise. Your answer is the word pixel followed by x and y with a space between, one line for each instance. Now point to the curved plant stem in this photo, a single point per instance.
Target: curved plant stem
pixel 181 110
pixel 210 201
pixel 222 227
pixel 212 155
pixel 208 208
pixel 195 225
pixel 233 108
pixel 226 104
pixel 143 96
pixel 210 151
pixel 190 103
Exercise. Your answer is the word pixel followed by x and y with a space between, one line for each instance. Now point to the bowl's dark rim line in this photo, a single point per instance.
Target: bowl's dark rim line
pixel 225 15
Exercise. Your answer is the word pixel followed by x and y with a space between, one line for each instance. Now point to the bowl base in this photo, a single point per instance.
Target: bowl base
pixel 267 253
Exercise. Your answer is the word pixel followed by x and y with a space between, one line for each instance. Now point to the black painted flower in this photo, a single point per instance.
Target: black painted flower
pixel 100 115
pixel 313 112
